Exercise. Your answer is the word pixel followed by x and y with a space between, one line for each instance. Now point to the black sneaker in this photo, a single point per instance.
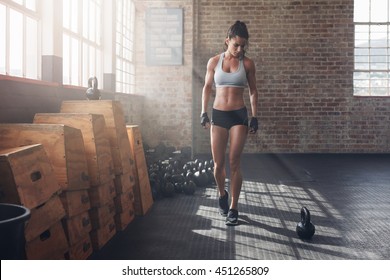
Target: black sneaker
pixel 224 204
pixel 232 218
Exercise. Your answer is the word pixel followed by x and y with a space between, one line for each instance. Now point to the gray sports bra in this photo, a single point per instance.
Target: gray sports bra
pixel 235 79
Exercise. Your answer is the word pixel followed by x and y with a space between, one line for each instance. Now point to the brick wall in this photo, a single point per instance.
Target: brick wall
pixel 167 115
pixel 303 51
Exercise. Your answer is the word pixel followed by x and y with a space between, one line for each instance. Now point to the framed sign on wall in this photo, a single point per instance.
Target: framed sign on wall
pixel 164 36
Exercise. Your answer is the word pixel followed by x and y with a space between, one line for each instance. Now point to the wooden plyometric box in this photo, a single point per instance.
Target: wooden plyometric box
pixel 63 144
pixel 81 250
pixel 124 183
pixel 102 235
pixel 124 201
pixel 77 227
pixel 100 216
pixel 50 244
pixel 44 217
pixel 96 143
pixel 143 199
pixel 75 202
pixel 26 176
pixel 124 218
pixel 115 126
pixel 102 194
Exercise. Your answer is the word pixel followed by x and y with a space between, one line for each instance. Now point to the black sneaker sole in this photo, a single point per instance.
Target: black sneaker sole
pixel 232 223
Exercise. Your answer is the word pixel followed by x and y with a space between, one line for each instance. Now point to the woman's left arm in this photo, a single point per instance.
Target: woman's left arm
pixel 251 77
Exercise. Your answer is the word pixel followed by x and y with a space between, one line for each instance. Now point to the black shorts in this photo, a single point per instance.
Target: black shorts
pixel 227 119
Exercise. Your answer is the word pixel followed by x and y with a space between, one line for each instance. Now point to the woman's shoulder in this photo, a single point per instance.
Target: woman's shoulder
pixel 213 61
pixel 248 62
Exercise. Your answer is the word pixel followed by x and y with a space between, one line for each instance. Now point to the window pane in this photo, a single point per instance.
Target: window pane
pixel 66 55
pixel 86 16
pixel 16 43
pixel 2 39
pixel 66 14
pixel 73 16
pixel 86 73
pixel 379 11
pixel 360 11
pixel 20 2
pixel 31 48
pixel 74 75
pixel 31 5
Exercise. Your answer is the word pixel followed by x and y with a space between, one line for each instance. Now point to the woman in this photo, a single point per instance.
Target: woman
pixel 231 71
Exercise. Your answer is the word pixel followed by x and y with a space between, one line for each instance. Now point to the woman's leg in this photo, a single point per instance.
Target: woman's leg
pixel 219 139
pixel 238 135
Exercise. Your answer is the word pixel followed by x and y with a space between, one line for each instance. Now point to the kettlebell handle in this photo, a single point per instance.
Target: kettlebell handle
pixel 93 83
pixel 305 216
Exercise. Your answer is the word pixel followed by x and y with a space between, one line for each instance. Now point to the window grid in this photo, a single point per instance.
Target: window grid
pixel 125 70
pixel 19 33
pixel 372 48
pixel 82 46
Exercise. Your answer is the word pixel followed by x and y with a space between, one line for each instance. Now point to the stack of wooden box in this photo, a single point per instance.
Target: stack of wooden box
pixel 122 165
pixel 27 178
pixel 64 146
pixel 100 169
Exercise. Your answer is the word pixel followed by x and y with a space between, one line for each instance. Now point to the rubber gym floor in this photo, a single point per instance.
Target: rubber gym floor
pixel 348 196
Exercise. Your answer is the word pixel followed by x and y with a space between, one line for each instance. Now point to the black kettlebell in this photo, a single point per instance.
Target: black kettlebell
pixel 92 92
pixel 305 228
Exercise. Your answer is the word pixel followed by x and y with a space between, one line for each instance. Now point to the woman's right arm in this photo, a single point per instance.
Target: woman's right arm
pixel 208 84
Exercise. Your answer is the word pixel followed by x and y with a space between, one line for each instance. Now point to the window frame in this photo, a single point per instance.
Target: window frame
pixel 124 56
pixel 368 78
pixel 84 48
pixel 35 16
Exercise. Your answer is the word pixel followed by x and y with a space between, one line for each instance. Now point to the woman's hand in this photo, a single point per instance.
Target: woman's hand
pixel 253 125
pixel 204 120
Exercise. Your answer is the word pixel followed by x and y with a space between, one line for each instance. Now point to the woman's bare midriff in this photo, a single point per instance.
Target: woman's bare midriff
pixel 229 98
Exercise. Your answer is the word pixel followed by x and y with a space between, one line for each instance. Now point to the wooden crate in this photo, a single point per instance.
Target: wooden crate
pixel 75 202
pixel 63 144
pixel 115 126
pixel 100 216
pixel 50 244
pixel 124 218
pixel 102 194
pixel 44 217
pixel 96 143
pixel 26 176
pixel 143 199
pixel 81 250
pixel 124 201
pixel 124 182
pixel 102 235
pixel 77 227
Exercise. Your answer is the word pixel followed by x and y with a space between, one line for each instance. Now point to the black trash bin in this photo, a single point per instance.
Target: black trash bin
pixel 12 221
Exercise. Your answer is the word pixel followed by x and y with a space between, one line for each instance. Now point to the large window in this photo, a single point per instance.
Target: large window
pixel 372 40
pixel 82 42
pixel 19 47
pixel 125 72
